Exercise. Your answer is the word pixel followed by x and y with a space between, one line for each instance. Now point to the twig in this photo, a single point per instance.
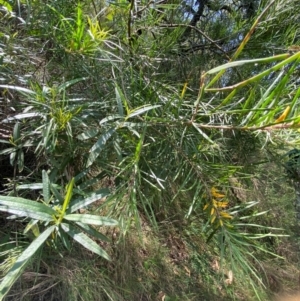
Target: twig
pixel 199 31
pixel 129 22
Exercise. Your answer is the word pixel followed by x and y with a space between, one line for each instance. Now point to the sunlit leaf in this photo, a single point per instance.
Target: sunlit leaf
pixel 84 240
pixel 243 62
pixel 283 116
pixel 22 261
pixel 140 111
pixel 99 146
pixel 91 133
pixel 46 187
pixel 28 208
pixel 91 219
pixel 81 203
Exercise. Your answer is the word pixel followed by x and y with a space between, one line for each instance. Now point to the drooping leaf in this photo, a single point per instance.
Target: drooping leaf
pixel 22 261
pixel 17 88
pixel 99 146
pixel 33 226
pixel 204 135
pixel 64 238
pixel 91 133
pixel 92 232
pixel 7 151
pixel 70 83
pixel 84 240
pixel 81 203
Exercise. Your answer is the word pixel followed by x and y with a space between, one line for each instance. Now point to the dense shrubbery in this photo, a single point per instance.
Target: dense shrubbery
pixel 153 115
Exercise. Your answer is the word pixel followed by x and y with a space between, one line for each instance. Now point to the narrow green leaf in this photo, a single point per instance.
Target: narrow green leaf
pixel 81 203
pixel 16 88
pixel 34 186
pixel 6 5
pixel 66 200
pixel 16 132
pixel 202 133
pixel 64 238
pixel 254 214
pixel 119 102
pixel 91 219
pixel 70 83
pixel 5 141
pixel 87 134
pixel 12 157
pixel 20 160
pixel 99 146
pixel 92 232
pixel 109 118
pixel 7 151
pixel 84 240
pixel 46 187
pixel 22 116
pixel 56 193
pixel 22 261
pixel 120 97
pixel 28 208
pixel 32 225
pixel 140 111
pixel 85 186
pixel 254 61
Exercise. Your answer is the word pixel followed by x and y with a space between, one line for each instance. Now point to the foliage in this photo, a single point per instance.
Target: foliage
pixel 165 104
pixel 57 215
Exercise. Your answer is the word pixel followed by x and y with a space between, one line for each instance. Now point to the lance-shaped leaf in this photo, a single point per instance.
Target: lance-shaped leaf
pixel 22 261
pixel 91 133
pixel 46 187
pixel 99 146
pixel 28 208
pixel 80 203
pixel 92 232
pixel 84 240
pixel 34 186
pixel 141 110
pixel 121 98
pixel 253 61
pixel 91 219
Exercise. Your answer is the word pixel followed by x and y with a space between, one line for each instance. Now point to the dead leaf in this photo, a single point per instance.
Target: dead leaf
pixel 215 265
pixel 229 280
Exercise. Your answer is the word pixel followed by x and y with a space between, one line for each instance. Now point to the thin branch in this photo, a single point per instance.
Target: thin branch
pixel 130 22
pixel 268 127
pixel 199 31
pixel 195 18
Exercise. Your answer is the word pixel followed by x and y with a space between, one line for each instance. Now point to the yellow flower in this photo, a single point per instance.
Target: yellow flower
pixel 212 211
pixel 225 215
pixel 216 194
pixel 213 219
pixel 283 116
pixel 222 204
